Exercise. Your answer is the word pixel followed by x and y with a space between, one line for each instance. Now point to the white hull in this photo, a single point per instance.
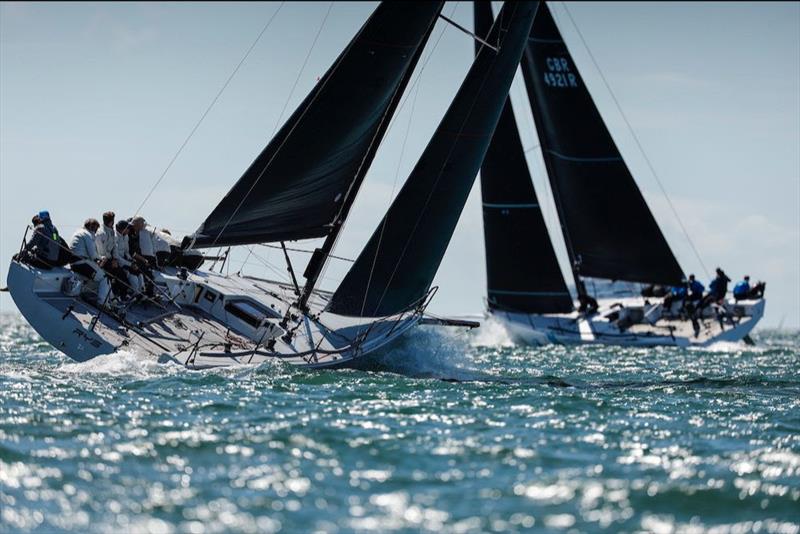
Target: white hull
pixel 625 322
pixel 209 320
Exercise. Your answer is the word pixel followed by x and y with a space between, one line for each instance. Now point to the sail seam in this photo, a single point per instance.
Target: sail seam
pixel 502 206
pixel 532 293
pixel 608 159
pixel 540 40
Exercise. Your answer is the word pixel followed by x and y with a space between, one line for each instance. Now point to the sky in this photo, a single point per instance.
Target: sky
pixel 97 98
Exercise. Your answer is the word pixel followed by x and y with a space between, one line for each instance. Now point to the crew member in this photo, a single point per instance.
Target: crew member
pixel 717 289
pixel 696 289
pixel 744 291
pixel 40 251
pixel 105 238
pixel 741 290
pixel 86 261
pixel 147 252
pixel 165 247
pixel 124 259
pixel 677 293
pixel 46 248
pixel 586 304
pixel 106 241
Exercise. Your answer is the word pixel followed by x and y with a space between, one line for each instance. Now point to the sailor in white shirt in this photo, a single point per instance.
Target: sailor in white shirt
pixel 146 247
pixel 122 255
pixel 84 247
pixel 163 242
pixel 105 238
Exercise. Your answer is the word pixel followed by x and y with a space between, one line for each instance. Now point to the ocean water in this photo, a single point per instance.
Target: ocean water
pixel 447 432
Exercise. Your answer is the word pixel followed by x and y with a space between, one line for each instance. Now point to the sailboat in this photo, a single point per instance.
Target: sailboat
pixel 609 231
pixel 302 186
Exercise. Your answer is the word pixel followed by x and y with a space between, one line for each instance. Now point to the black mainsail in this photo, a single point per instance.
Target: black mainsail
pixel 397 266
pixel 522 271
pixel 608 228
pixel 300 183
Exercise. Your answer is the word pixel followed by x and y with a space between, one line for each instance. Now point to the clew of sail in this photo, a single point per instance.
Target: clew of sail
pixel 397 266
pixel 299 183
pixel 608 228
pixel 522 271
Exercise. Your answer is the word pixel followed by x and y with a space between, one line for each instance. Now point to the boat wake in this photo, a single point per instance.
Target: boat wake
pixel 429 353
pixel 122 363
pixel 492 333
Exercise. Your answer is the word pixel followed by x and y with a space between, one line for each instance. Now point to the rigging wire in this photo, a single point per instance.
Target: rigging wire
pixel 281 274
pixel 208 109
pixel 288 135
pixel 305 251
pixel 638 143
pixel 302 69
pixel 286 105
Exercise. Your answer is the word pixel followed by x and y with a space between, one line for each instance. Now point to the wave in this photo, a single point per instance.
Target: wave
pixel 425 352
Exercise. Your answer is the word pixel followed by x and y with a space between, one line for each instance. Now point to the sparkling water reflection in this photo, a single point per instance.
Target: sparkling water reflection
pixel 446 432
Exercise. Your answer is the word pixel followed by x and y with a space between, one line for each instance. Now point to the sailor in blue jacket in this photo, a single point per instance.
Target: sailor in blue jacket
pixel 695 289
pixel 744 291
pixel 741 290
pixel 719 286
pixel 676 294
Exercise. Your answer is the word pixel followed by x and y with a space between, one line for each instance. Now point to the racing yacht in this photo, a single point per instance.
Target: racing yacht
pixel 302 186
pixel 609 231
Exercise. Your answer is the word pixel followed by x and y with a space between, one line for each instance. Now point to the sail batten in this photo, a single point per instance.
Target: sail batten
pixel 608 228
pixel 396 268
pixel 522 271
pixel 298 185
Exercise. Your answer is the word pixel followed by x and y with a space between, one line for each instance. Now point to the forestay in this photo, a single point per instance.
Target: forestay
pixel 607 225
pixel 398 264
pixel 296 187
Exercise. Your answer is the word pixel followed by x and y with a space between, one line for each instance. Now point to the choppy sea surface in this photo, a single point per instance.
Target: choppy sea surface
pixel 446 432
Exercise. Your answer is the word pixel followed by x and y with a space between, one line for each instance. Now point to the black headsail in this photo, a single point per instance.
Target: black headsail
pixel 297 186
pixel 398 264
pixel 608 228
pixel 522 271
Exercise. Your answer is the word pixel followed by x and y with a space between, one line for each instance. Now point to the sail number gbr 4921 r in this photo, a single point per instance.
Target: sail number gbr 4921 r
pixel 558 73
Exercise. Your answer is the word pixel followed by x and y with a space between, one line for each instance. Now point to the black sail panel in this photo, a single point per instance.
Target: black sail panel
pixel 397 266
pixel 296 186
pixel 522 271
pixel 608 227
